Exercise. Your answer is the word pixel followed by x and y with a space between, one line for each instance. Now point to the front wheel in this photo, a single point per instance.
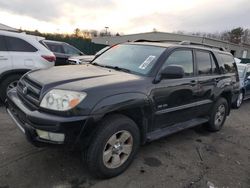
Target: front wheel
pixel 218 115
pixel 113 147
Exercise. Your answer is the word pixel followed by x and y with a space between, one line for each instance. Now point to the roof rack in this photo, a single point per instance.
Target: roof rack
pixel 202 44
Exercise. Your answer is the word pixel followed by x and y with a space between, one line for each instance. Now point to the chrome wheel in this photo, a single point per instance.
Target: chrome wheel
pixel 220 115
pixel 240 99
pixel 12 85
pixel 117 149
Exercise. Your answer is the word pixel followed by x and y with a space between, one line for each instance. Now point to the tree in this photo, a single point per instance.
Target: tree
pixel 77 32
pixel 235 35
pixel 246 36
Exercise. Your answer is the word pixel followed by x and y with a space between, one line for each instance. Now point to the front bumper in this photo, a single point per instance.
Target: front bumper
pixel 28 121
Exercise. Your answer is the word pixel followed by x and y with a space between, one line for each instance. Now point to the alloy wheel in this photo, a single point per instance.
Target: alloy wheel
pixel 117 149
pixel 220 115
pixel 12 85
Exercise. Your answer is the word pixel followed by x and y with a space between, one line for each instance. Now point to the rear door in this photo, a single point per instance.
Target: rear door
pixel 5 58
pixel 22 53
pixel 208 79
pixel 175 99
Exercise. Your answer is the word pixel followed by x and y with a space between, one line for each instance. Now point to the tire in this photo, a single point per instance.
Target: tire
pixel 111 129
pixel 7 84
pixel 239 100
pixel 216 121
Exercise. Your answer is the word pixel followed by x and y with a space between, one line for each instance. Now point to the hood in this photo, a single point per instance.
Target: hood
pixel 83 77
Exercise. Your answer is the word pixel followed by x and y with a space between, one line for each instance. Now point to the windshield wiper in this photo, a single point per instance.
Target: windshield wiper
pixel 97 64
pixel 112 67
pixel 117 68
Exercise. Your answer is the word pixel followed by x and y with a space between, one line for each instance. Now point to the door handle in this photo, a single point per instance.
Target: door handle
pixel 3 59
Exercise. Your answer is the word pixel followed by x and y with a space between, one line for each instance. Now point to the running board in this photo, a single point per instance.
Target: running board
pixel 159 133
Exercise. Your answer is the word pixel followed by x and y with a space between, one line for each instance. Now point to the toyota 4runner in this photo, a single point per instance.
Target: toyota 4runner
pixel 132 94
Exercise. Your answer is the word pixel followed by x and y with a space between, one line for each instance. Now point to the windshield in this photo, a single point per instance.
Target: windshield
pixel 133 58
pixel 241 71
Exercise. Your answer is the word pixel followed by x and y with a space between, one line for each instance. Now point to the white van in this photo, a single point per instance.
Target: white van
pixel 20 53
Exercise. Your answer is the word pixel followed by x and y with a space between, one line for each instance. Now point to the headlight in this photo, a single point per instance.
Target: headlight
pixel 62 100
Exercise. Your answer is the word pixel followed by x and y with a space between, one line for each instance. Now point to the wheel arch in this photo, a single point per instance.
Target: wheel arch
pixel 4 75
pixel 135 106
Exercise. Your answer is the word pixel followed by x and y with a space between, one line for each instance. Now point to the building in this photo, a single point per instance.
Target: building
pixel 7 28
pixel 240 51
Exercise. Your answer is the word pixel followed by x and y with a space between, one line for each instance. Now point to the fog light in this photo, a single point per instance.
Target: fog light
pixel 57 137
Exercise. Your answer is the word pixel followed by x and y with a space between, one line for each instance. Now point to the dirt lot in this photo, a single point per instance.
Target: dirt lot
pixel 192 158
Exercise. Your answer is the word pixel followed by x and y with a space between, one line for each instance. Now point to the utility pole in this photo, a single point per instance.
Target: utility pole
pixel 106 28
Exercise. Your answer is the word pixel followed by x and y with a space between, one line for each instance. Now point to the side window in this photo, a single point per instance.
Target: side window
pixel 19 45
pixel 183 58
pixel 55 48
pixel 227 63
pixel 204 63
pixel 2 44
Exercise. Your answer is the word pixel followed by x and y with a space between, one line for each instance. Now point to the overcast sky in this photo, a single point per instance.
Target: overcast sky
pixel 127 16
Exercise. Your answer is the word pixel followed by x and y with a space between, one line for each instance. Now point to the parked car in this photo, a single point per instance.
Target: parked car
pixel 62 51
pixel 132 94
pixel 244 74
pixel 20 53
pixel 78 60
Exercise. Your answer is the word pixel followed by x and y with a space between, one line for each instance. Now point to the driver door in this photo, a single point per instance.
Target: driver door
pixel 174 99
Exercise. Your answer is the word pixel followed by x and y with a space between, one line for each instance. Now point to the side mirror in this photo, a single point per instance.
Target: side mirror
pixel 248 78
pixel 173 72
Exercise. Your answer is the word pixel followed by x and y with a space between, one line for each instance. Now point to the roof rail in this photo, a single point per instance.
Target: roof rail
pixel 202 44
pixel 145 40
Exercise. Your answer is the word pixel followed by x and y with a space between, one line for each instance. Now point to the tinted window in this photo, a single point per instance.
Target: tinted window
pixel 227 63
pixel 55 47
pixel 71 50
pixel 136 58
pixel 2 44
pixel 204 63
pixel 19 45
pixel 183 58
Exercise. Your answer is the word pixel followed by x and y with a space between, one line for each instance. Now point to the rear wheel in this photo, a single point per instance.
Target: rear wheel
pixel 218 115
pixel 239 100
pixel 7 84
pixel 113 147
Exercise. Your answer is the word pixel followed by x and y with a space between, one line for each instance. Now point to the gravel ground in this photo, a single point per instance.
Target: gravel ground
pixel 191 158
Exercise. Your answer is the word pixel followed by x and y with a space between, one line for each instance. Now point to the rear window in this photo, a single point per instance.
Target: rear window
pixel 227 63
pixel 57 48
pixel 18 45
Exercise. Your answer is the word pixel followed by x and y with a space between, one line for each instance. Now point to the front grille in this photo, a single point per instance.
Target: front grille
pixel 29 91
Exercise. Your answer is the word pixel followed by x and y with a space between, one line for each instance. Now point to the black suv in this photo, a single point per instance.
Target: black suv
pixel 132 94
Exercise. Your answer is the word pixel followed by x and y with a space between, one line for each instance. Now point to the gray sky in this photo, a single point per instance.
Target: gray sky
pixel 127 16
